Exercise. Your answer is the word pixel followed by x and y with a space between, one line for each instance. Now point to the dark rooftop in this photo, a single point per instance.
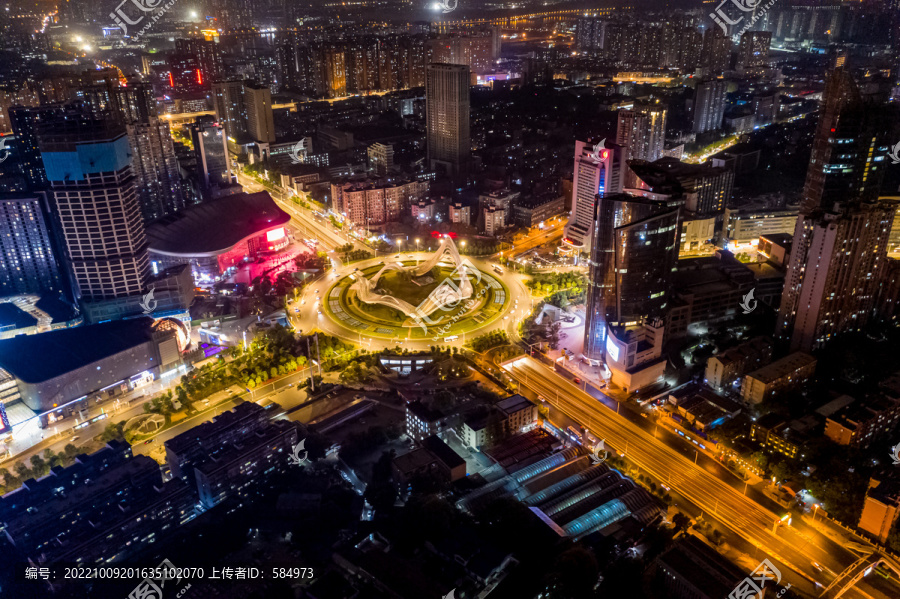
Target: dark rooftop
pixel 14 317
pixel 216 226
pixel 443 452
pixel 38 358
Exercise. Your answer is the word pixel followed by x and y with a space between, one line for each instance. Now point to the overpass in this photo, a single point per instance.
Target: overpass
pixel 858 570
pixel 529 19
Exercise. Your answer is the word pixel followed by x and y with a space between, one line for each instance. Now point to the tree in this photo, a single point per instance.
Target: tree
pixel 38 465
pixel 70 450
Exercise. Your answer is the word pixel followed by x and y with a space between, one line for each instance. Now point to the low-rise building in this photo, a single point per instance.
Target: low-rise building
pixel 532 211
pixel 422 421
pixel 881 508
pixel 692 569
pixel 460 213
pixel 634 355
pixel 193 446
pixel 775 433
pixel 864 421
pixel 107 505
pixel 701 408
pixel 452 466
pixel 787 373
pixel 517 412
pixel 418 463
pixel 253 456
pixel 723 369
pixel 745 225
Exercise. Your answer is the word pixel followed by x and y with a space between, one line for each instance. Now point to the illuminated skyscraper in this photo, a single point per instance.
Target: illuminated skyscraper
pixel 709 105
pixel 596 172
pixel 447 117
pixel 634 250
pixel 87 160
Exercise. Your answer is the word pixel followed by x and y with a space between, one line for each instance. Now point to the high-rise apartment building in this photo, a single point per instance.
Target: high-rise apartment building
pixel 208 54
pixel 753 52
pixel 25 122
pixel 476 52
pixel 447 118
pixel 228 100
pixel 642 133
pixel 590 34
pixel 716 52
pixel 87 160
pixel 596 172
pixel 838 261
pixel 27 260
pixel 709 105
pixel 258 108
pixel 158 181
pixel 634 250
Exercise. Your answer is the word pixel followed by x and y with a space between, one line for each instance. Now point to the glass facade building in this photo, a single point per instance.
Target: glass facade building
pixel 634 251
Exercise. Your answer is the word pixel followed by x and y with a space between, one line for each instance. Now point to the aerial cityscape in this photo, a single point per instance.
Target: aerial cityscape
pixel 443 299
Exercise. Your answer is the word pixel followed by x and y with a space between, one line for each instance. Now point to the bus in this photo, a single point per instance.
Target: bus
pixel 574 434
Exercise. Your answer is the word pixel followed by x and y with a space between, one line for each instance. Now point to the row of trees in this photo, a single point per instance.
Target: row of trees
pixel 547 283
pixel 36 467
pixel 488 341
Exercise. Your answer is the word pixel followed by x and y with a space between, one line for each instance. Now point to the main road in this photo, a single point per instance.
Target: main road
pixel 796 545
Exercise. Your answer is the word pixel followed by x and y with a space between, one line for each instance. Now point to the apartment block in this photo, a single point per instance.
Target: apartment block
pixel 787 373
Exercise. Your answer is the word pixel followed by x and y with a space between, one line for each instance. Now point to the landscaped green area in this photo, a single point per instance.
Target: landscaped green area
pixel 463 318
pixel 404 286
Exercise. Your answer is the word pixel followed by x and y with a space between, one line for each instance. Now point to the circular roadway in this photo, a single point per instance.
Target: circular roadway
pixel 308 314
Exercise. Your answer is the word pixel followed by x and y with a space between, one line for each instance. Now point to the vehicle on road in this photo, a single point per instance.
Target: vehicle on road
pixel 817 566
pixel 577 380
pixel 73 439
pixel 451 338
pixel 148 441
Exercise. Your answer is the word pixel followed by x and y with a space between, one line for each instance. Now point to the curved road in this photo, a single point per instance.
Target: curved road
pixel 308 318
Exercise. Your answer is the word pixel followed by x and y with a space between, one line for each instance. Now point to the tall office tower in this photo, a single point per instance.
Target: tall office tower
pixel 716 52
pixel 590 34
pixel 25 122
pixel 838 262
pixel 849 151
pixel 27 260
pixel 208 54
pixel 211 150
pixel 88 164
pixel 709 105
pixel 596 173
pixel 228 98
pixel 447 118
pixel 158 179
pixel 753 52
pixel 642 131
pixel 634 250
pixel 258 107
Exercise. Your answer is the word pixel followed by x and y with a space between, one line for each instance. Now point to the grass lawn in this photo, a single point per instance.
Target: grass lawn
pixel 401 286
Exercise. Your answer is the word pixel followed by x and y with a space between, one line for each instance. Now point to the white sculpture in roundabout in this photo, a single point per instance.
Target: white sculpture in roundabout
pixel 445 296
